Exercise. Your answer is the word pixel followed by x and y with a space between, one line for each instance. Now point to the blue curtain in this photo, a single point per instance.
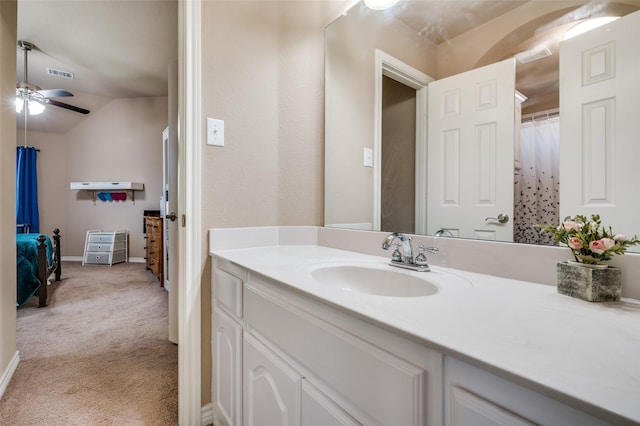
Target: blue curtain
pixel 27 189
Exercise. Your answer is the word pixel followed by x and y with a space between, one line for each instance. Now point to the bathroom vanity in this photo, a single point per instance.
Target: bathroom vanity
pixel 290 347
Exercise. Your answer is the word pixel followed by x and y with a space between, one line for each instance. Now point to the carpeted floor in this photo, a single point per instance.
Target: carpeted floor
pixel 97 355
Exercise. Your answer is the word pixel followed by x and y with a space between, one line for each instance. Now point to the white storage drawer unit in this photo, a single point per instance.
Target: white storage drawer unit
pixel 105 247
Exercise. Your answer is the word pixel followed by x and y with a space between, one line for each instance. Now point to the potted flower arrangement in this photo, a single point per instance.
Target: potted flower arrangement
pixel 589 241
pixel 592 244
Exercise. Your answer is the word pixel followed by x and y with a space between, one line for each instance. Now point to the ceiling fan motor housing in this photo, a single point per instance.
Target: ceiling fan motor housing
pixel 30 92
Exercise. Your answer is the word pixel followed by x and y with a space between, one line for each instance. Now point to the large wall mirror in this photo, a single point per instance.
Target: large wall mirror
pixel 396 84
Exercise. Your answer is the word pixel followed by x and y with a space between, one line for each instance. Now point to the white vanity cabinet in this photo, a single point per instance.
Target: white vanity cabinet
pixel 227 342
pixel 271 387
pixel 307 363
pixel 476 397
pixel 282 356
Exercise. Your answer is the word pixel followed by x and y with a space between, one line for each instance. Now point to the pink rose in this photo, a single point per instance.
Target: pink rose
pixel 574 243
pixel 571 225
pixel 600 246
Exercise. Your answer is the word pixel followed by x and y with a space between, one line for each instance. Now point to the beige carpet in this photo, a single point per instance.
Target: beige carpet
pixel 97 355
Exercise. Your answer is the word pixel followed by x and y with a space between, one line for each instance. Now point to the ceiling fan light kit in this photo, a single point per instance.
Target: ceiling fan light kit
pixel 34 107
pixel 34 96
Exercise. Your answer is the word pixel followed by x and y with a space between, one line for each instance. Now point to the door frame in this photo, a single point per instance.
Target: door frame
pixel 387 65
pixel 189 211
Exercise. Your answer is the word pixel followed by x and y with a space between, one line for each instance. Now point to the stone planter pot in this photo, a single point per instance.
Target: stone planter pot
pixel 593 283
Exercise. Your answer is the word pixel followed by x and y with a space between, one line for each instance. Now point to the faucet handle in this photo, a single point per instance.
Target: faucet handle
pixel 421 259
pixel 396 255
pixel 433 250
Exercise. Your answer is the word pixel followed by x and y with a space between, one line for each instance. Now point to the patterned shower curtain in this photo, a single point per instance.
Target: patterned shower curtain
pixel 27 189
pixel 536 197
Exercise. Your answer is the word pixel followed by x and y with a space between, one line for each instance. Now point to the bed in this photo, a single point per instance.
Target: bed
pixel 37 258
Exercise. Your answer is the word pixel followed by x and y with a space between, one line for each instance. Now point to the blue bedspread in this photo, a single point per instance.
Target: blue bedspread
pixel 27 258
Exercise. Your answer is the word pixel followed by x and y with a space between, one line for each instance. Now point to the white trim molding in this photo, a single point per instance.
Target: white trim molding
pixel 189 234
pixel 7 374
pixel 387 65
pixel 207 414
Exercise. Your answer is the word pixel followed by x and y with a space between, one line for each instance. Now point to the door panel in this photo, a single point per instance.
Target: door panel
pixel 598 129
pixel 471 152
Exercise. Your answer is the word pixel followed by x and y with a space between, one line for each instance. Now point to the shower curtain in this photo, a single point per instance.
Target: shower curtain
pixel 27 189
pixel 536 195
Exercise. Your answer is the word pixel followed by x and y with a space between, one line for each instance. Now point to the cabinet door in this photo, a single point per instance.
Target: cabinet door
pixel 271 391
pixel 467 409
pixel 318 410
pixel 227 367
pixel 476 397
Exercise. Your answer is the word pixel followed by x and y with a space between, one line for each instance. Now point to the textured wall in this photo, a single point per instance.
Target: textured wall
pixel 121 142
pixel 263 73
pixel 351 45
pixel 8 16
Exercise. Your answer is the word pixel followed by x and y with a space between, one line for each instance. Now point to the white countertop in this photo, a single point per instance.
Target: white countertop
pixel 586 354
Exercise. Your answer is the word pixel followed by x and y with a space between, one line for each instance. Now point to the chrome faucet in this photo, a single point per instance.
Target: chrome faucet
pixel 405 240
pixel 405 258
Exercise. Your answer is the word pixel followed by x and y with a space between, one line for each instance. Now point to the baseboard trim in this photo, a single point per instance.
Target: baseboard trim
pixel 8 372
pixel 207 414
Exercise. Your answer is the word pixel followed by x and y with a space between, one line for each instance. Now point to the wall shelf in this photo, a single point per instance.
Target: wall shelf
pixel 95 187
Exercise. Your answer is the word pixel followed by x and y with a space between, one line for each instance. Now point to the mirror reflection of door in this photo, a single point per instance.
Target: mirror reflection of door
pixel 471 153
pixel 398 157
pixel 599 129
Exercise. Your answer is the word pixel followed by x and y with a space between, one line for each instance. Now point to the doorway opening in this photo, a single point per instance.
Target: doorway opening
pixel 395 72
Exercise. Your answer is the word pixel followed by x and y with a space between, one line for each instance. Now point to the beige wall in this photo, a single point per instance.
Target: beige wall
pixel 262 72
pixel 351 44
pixel 52 179
pixel 8 14
pixel 122 141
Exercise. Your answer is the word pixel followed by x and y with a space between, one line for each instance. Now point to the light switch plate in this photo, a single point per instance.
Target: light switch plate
pixel 215 132
pixel 368 157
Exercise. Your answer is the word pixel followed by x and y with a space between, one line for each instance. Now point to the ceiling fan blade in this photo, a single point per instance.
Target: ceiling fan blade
pixel 67 106
pixel 54 93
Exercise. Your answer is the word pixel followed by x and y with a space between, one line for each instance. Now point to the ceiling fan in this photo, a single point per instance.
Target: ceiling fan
pixel 33 97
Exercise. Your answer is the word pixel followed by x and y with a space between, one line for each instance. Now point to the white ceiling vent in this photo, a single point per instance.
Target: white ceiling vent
pixel 534 54
pixel 60 73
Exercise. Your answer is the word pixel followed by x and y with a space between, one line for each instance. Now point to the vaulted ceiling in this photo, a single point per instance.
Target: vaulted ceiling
pixel 114 48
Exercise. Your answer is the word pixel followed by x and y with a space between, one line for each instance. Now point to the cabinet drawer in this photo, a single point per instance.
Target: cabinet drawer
pixel 474 396
pixel 120 245
pixel 99 247
pixel 101 238
pixel 154 266
pixel 154 242
pixel 98 258
pixel 228 291
pixel 154 226
pixel 153 253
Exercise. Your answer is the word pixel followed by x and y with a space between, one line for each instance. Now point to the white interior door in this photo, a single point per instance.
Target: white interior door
pixel 170 185
pixel 599 126
pixel 470 153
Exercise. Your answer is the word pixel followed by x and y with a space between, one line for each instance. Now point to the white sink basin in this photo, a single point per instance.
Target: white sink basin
pixel 375 280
